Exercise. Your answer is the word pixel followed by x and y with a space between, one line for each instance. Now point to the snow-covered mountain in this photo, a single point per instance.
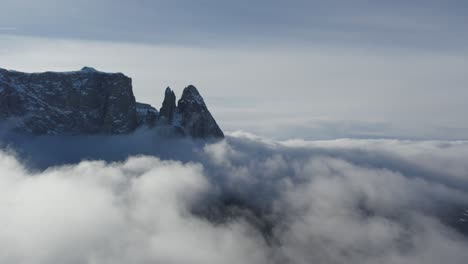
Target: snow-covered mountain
pixel 93 102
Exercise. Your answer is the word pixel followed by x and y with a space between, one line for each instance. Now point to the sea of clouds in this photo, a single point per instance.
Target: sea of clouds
pixel 245 199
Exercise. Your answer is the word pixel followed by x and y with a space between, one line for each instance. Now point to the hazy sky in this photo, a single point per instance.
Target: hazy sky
pixel 309 69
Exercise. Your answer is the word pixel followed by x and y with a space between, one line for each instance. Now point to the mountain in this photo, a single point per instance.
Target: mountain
pixel 94 102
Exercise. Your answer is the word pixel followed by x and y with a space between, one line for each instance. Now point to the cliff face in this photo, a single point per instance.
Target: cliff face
pixel 80 102
pixel 88 102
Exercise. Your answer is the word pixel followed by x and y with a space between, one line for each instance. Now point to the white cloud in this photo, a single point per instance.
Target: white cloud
pixel 112 213
pixel 242 200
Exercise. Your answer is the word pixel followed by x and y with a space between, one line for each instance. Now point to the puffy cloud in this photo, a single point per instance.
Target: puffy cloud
pixel 97 212
pixel 241 200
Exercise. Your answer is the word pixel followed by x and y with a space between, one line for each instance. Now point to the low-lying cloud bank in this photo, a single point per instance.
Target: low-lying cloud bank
pixel 241 200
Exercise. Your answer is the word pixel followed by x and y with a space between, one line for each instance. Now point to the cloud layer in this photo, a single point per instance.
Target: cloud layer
pixel 242 200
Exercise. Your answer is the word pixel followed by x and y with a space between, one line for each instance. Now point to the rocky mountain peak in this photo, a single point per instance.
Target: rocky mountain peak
pixel 195 116
pixel 191 96
pixel 94 102
pixel 88 69
pixel 168 108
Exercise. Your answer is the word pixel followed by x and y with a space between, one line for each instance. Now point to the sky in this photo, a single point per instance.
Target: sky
pixel 282 69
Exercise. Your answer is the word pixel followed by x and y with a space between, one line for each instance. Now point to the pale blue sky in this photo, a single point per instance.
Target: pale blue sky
pixel 310 69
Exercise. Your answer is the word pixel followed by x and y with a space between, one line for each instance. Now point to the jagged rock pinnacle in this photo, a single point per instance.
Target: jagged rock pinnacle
pixel 190 95
pixel 168 107
pixel 196 120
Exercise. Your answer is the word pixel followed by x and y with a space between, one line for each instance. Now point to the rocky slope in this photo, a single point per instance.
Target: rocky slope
pixel 93 102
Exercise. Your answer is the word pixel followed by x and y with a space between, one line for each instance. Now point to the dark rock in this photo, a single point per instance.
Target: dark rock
pixel 195 118
pixel 93 102
pixel 85 101
pixel 168 108
pixel 146 115
pixel 10 102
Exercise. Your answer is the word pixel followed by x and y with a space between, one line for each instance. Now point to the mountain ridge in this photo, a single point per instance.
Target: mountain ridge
pixel 94 102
